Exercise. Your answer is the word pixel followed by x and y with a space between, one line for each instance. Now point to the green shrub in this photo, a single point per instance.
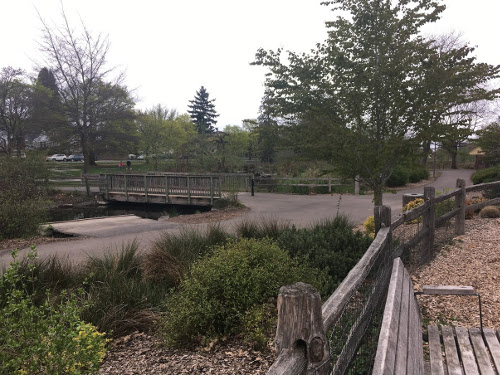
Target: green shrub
pixel 399 177
pixel 417 174
pixel 486 175
pixel 23 196
pixel 258 324
pixel 330 245
pixel 44 339
pixel 213 299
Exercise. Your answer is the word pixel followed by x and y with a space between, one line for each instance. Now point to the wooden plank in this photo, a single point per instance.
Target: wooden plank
pixel 450 348
pixel 448 289
pixel 415 348
pixel 386 348
pixel 480 352
pixel 493 346
pixel 403 348
pixel 466 351
pixel 436 355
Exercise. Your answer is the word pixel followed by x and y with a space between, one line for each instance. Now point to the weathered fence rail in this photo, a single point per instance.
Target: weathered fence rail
pixel 352 314
pixel 300 185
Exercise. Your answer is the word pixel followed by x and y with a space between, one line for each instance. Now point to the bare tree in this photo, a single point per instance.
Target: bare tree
pixel 78 61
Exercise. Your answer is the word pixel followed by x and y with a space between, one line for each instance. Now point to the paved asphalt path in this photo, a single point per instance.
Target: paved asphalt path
pixel 103 235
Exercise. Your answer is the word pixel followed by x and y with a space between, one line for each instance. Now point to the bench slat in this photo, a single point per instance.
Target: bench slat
pixel 386 349
pixel 480 351
pixel 402 335
pixel 493 345
pixel 468 360
pixel 450 348
pixel 436 354
pixel 415 347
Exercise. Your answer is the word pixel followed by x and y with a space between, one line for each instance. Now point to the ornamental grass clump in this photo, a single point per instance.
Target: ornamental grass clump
pixel 48 338
pixel 490 212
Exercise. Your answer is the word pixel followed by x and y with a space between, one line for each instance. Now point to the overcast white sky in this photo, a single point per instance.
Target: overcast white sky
pixel 169 48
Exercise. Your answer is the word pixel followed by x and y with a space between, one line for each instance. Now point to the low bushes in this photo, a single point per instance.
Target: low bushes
pixel 220 289
pixel 23 196
pixel 486 175
pixel 402 175
pixel 48 338
pixel 199 284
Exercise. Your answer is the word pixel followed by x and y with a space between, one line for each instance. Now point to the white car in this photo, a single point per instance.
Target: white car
pixel 57 157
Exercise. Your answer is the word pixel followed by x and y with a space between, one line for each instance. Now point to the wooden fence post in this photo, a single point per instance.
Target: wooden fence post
pixel 300 323
pixel 356 185
pixel 329 184
pixel 382 216
pixel 427 248
pixel 460 203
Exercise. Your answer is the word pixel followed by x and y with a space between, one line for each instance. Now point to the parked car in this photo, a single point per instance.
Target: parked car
pixel 75 157
pixel 57 157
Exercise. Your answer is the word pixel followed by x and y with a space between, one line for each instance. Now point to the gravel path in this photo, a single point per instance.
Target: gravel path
pixel 471 259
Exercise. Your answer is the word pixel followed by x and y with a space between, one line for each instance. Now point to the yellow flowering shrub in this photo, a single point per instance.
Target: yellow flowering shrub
pixel 369 225
pixel 410 206
pixel 44 339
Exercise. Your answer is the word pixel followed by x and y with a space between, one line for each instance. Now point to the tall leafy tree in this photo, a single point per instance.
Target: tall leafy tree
pixel 16 97
pixel 202 112
pixel 489 141
pixel 453 93
pixel 354 95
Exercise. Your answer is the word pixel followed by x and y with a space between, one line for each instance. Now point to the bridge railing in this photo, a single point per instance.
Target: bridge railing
pixel 169 185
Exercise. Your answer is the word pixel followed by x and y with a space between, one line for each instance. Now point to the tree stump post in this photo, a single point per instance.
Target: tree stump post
pixel 460 203
pixel 300 323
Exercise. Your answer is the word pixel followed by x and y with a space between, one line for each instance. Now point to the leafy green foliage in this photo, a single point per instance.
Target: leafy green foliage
pixel 23 196
pixel 44 339
pixel 331 245
pixel 417 174
pixel 486 175
pixel 489 141
pixel 220 289
pixel 399 177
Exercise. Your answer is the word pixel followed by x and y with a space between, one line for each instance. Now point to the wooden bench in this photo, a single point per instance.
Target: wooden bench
pixel 452 350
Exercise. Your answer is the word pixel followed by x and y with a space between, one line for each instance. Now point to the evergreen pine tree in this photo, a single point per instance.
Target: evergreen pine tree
pixel 202 112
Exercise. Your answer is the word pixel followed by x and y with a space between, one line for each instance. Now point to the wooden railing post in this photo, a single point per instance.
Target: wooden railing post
pixel 188 190
pixel 382 216
pixel 329 184
pixel 126 186
pixel 429 222
pixel 146 187
pixel 300 324
pixel 460 203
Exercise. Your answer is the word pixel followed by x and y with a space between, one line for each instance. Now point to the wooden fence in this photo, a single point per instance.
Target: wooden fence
pixel 352 314
pixel 290 185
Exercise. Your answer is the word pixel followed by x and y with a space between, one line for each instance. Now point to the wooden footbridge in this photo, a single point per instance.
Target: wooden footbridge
pixel 182 189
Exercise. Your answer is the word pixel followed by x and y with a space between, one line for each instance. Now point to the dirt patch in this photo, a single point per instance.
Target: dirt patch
pixel 140 353
pixel 210 216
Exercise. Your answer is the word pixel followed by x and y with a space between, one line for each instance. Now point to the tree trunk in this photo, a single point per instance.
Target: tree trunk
pixel 426 149
pixel 377 194
pixel 453 160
